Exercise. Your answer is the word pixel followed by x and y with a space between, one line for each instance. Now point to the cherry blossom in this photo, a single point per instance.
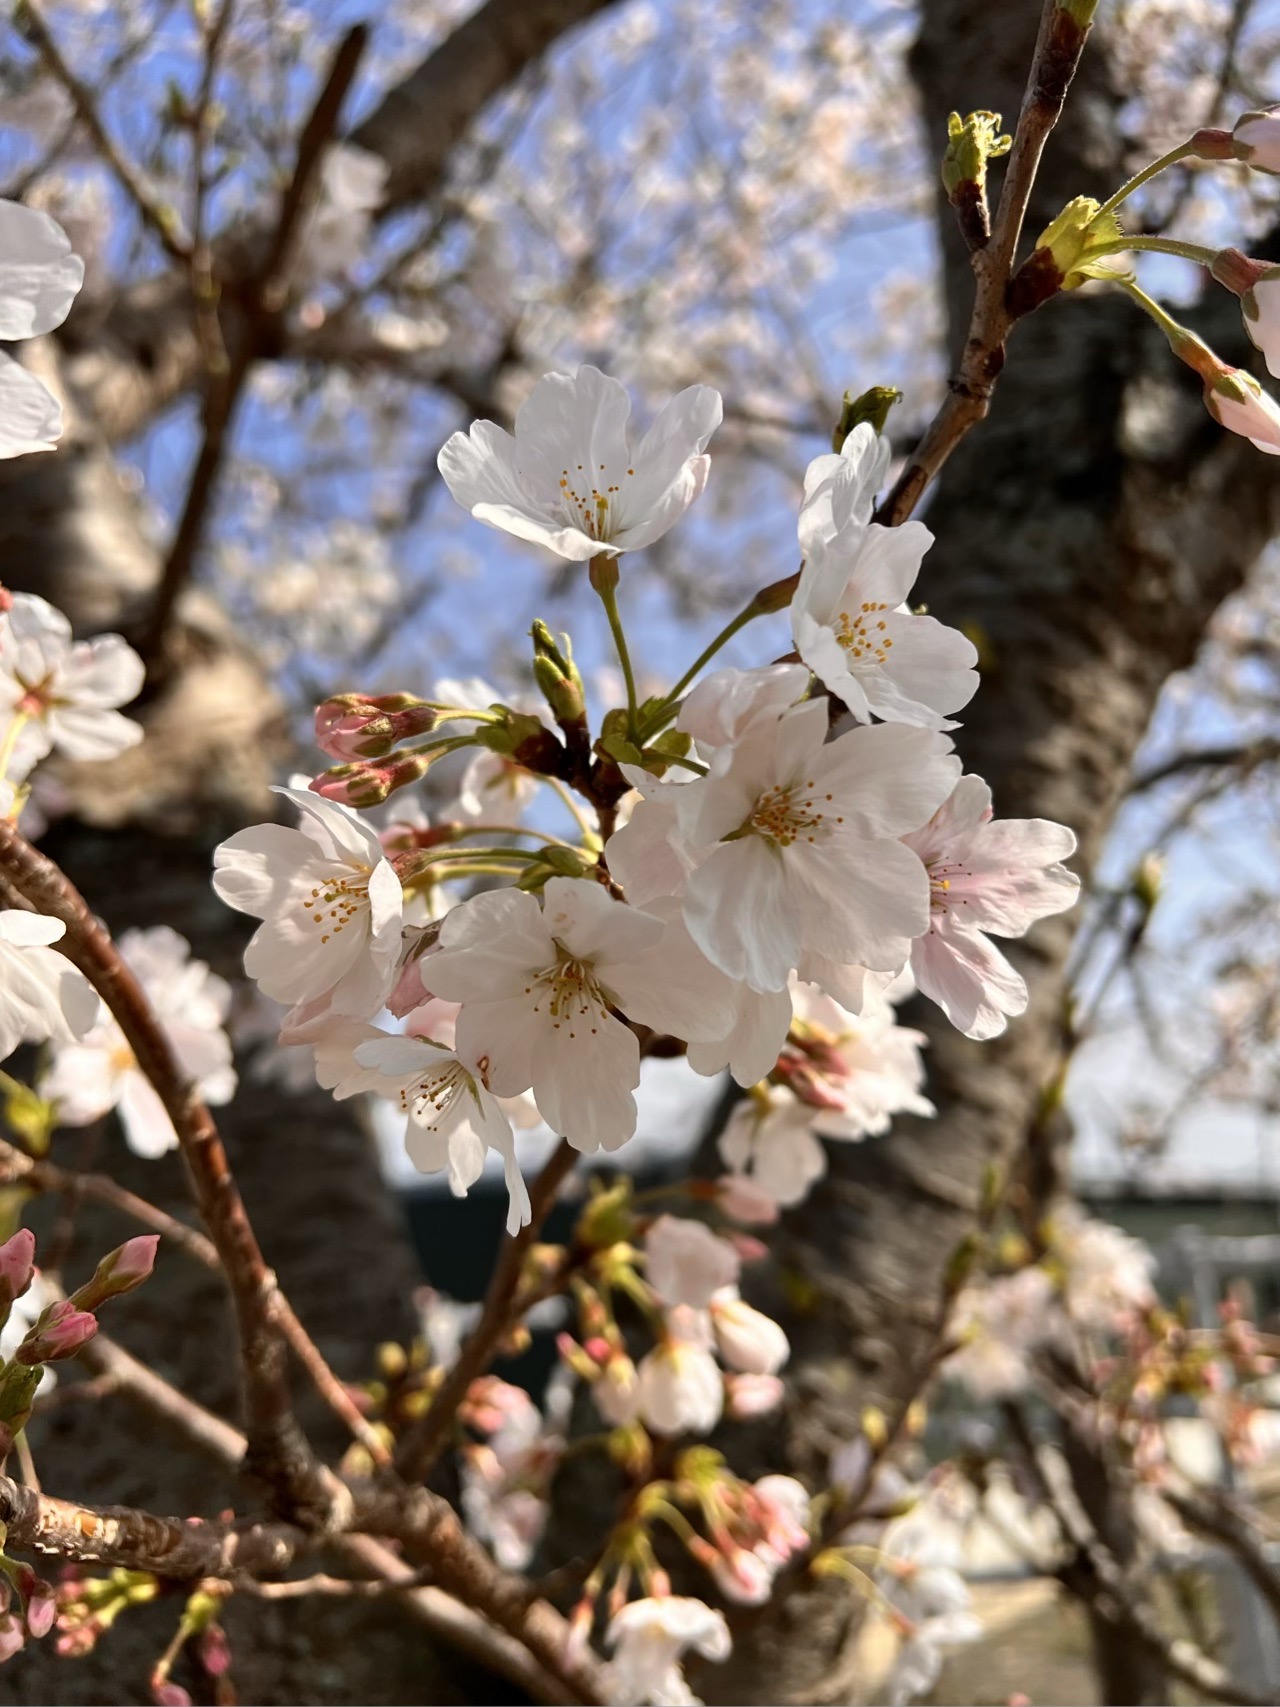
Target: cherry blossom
pixel 1262 318
pixel 999 1324
pixel 853 629
pixel 680 1388
pixel 921 1578
pixel 42 997
pixel 100 1072
pixel 772 1138
pixel 1256 139
pixel 59 692
pixel 505 1480
pixel 648 1639
pixel 854 1071
pixel 352 186
pixel 1106 1274
pixel 453 1118
pixel 572 478
pixel 686 1263
pixel 537 983
pixel 803 849
pixel 39 277
pixel 1237 402
pixel 984 875
pixel 329 901
pixel 840 489
pixel 747 1339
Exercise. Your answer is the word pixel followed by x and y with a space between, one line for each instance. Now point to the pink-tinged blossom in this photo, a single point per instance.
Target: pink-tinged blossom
pixel 42 997
pixel 90 1077
pixel 649 1638
pixel 17 1258
pixel 748 1396
pixel 797 844
pixel 840 488
pixel 506 1480
pixel 855 1072
pixel 744 1202
pixel 681 1390
pixel 771 1139
pixel 63 691
pixel 686 1263
pixel 330 904
pixel 572 478
pixel 536 984
pixel 453 1119
pixel 1105 1274
pixel 852 627
pixel 747 1340
pixel 984 875
pixel 1257 284
pixel 39 277
pixel 1237 402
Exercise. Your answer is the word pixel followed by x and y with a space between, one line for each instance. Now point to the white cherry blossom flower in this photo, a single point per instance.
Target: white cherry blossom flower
pixel 505 1480
pixel 750 1050
pixel 725 704
pixel 747 1339
pixel 681 1389
pixel 42 996
pixel 59 692
pixel 537 983
pixel 921 1578
pixel 353 184
pixel 1261 308
pixel 1237 402
pixel 853 628
pixel 686 1263
pixel 803 844
pixel 39 277
pixel 1000 1323
pixel 772 1138
pixel 100 1072
pixel 572 478
pixel 984 875
pixel 1106 1274
pixel 840 489
pixel 453 1118
pixel 648 1639
pixel 330 904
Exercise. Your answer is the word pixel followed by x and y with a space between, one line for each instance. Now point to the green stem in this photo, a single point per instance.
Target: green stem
pixel 669 706
pixel 1158 246
pixel 1147 173
pixel 1175 333
pixel 607 587
pixel 513 830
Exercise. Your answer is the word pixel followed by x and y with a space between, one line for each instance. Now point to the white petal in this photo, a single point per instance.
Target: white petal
pixel 39 276
pixel 30 415
pixel 582 1082
pixel 742 915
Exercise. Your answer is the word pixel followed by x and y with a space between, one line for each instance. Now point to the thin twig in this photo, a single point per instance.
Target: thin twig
pixel 162 220
pixel 421 1445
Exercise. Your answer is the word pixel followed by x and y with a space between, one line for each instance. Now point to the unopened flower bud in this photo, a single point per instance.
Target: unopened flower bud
pixel 1257 284
pixel 12 1636
pixel 215 1650
pixel 367 784
pixel 748 1396
pixel 16 1268
pixel 60 1332
pixel 40 1603
pixel 747 1339
pixel 1255 139
pixel 971 143
pixel 557 675
pixel 118 1272
pixel 872 406
pixel 617 1392
pixel 167 1694
pixel 6 600
pixel 356 726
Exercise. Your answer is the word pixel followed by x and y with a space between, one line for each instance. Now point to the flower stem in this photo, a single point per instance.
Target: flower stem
pixel 670 706
pixel 604 578
pixel 1175 333
pixel 1158 246
pixel 16 726
pixel 1147 173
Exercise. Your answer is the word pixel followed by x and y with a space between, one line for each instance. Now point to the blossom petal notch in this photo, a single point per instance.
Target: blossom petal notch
pixel 39 277
pixel 573 477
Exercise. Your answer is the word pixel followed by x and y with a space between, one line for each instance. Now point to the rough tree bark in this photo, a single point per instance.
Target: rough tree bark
pixel 1086 532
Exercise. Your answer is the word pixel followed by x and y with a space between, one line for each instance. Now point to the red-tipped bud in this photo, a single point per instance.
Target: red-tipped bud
pixel 356 726
pixel 39 1601
pixel 119 1272
pixel 6 600
pixel 368 784
pixel 16 1266
pixel 215 1650
pixel 12 1636
pixel 60 1332
pixel 169 1694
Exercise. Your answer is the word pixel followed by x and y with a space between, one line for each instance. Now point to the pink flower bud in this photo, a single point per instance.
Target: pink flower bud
pixel 6 600
pixel 367 784
pixel 60 1332
pixel 743 1201
pixel 749 1396
pixel 356 726
pixel 41 1604
pixel 119 1272
pixel 215 1650
pixel 168 1694
pixel 12 1636
pixel 16 1265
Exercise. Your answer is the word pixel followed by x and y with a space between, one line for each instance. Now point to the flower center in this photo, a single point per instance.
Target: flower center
pixel 434 1094
pixel 335 903
pixel 572 994
pixel 798 813
pixel 587 497
pixel 863 634
pixel 941 876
